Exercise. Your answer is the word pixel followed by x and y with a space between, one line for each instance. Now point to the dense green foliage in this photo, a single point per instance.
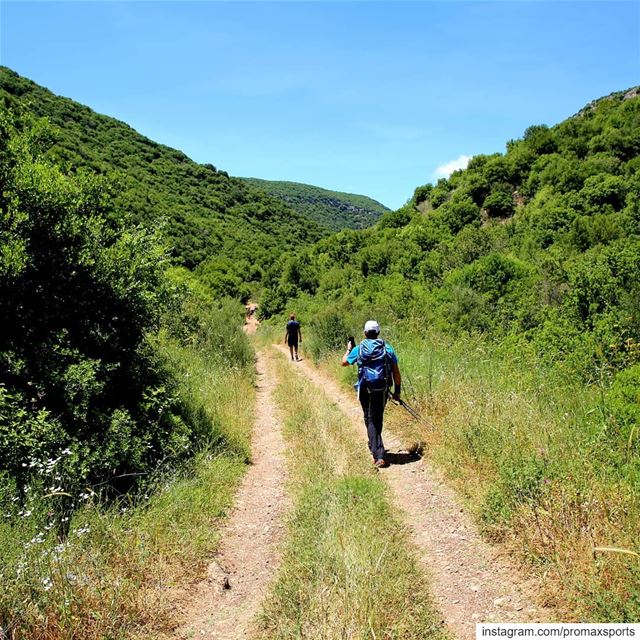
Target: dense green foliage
pixel 120 375
pixel 85 396
pixel 227 230
pixel 80 291
pixel 541 242
pixel 116 373
pixel 330 209
pixel 108 576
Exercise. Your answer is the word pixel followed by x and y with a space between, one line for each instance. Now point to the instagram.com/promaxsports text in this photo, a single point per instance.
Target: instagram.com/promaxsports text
pixel 487 631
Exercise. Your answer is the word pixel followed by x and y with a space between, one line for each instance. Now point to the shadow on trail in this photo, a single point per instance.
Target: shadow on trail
pixel 404 457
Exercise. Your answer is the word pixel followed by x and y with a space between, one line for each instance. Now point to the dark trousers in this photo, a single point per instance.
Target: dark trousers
pixel 373 404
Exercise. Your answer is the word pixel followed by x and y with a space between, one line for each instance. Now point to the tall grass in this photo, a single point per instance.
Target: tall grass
pixel 539 457
pixel 116 570
pixel 347 570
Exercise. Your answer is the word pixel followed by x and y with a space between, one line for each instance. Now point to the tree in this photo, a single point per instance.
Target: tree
pixel 499 203
pixel 80 292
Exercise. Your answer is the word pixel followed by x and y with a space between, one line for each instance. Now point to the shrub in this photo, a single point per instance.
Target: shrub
pixel 330 332
pixel 81 291
pixel 499 203
pixel 458 211
pixel 624 399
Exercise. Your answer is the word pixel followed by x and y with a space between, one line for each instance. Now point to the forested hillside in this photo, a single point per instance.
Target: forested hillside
pixel 511 292
pixel 226 230
pixel 331 209
pixel 541 241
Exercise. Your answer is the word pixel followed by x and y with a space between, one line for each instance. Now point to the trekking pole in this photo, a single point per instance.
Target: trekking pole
pixel 412 412
pixel 401 403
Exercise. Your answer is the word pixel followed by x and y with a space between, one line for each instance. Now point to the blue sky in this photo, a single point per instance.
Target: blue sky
pixel 364 97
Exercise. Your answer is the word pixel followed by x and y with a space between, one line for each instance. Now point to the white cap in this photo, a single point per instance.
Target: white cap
pixel 371 325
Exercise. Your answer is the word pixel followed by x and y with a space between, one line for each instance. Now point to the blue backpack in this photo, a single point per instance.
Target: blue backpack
pixel 374 365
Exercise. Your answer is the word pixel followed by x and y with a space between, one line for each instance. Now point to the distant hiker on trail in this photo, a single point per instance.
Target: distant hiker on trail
pixel 293 335
pixel 377 367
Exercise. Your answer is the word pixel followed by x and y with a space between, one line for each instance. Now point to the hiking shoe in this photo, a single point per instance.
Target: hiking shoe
pixel 380 463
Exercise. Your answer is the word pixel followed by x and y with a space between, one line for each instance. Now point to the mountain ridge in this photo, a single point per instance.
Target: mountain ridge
pixel 332 209
pixel 228 231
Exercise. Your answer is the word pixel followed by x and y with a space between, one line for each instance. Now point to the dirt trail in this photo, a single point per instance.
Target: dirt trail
pixel 472 580
pixel 247 558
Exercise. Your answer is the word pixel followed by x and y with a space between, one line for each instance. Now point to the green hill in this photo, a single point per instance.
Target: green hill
pixel 224 228
pixel 541 241
pixel 330 209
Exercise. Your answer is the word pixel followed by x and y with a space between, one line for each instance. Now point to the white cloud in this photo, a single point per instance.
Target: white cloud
pixel 445 170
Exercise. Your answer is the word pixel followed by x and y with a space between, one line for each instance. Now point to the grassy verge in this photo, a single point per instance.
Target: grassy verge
pixel 268 334
pixel 540 458
pixel 119 570
pixel 347 570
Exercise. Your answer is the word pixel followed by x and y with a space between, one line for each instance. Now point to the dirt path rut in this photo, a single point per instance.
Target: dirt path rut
pixel 472 580
pixel 224 605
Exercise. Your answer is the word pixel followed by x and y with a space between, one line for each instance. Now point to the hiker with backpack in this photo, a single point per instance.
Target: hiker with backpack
pixel 292 336
pixel 377 368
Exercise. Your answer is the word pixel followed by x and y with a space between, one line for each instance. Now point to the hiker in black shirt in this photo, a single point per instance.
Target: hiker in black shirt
pixel 292 336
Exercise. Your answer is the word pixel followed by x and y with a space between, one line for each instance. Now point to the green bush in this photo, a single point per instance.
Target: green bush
pixel 82 291
pixel 329 331
pixel 499 203
pixel 624 403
